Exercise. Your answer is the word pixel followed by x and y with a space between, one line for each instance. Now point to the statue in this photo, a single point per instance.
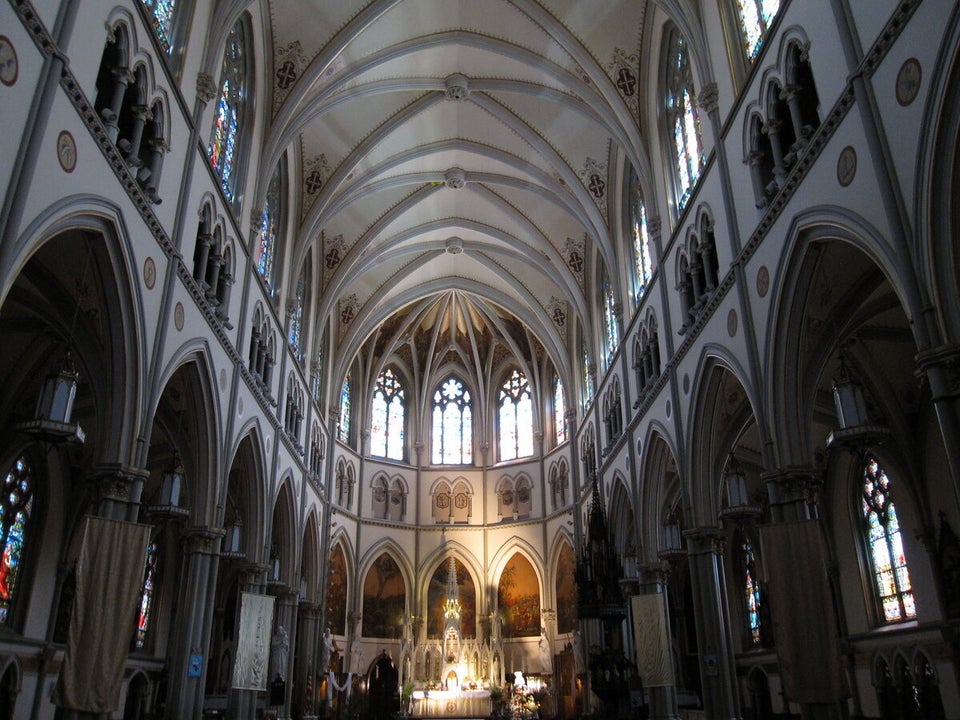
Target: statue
pixel 279 653
pixel 546 656
pixel 579 665
pixel 326 651
pixel 518 680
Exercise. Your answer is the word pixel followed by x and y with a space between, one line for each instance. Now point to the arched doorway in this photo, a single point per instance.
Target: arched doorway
pixel 382 688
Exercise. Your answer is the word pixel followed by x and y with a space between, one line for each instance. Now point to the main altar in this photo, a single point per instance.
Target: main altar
pixel 451 676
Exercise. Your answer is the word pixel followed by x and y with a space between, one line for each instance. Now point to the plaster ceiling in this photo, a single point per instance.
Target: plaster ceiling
pixel 453 145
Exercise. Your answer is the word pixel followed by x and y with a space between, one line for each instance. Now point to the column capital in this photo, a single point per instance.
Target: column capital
pixel 200 539
pixel 115 481
pixel 940 367
pixel 709 98
pixel 653 574
pixel 705 540
pixel 793 485
pixel 206 87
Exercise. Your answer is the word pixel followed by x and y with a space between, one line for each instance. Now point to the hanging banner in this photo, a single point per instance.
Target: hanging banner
pixel 652 638
pixel 253 642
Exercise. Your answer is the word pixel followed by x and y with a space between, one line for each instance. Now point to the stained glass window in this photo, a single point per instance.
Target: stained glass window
pixel 683 119
pixel 16 506
pixel 587 373
pixel 642 251
pixel 516 418
pixel 269 222
pixel 229 113
pixel 387 415
pixel 343 431
pixel 885 545
pixel 145 607
pixel 559 411
pixel 452 424
pixel 296 320
pixel 161 19
pixel 610 318
pixel 751 591
pixel 755 19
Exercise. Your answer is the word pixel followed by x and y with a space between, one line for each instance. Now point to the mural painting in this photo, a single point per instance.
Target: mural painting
pixel 384 595
pixel 337 592
pixel 566 590
pixel 519 598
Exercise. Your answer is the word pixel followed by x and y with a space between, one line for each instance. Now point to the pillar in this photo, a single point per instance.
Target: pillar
pixel 705 548
pixel 306 668
pixel 191 638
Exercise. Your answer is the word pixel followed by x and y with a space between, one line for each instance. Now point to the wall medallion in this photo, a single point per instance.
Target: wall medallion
pixel 178 316
pixel 763 281
pixel 846 166
pixel 149 273
pixel 66 151
pixel 908 81
pixel 9 65
pixel 732 322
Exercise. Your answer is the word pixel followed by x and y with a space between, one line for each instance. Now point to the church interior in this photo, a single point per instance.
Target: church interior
pixel 501 358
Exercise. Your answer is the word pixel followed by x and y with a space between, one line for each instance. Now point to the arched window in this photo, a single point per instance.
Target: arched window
pixel 452 424
pixel 559 411
pixel 610 321
pixel 516 418
pixel 145 606
pixel 756 16
pixel 161 13
pixel 387 417
pixel 16 506
pixel 885 545
pixel 269 223
pixel 343 430
pixel 296 320
pixel 642 250
pixel 228 117
pixel 683 120
pixel 751 591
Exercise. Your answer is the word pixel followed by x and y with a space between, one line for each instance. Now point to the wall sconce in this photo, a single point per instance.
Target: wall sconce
pixel 171 484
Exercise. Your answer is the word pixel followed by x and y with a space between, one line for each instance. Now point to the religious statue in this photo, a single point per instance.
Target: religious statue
pixel 279 653
pixel 546 655
pixel 326 650
pixel 579 665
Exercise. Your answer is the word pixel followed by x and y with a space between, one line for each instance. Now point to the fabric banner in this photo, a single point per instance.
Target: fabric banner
pixel 109 581
pixel 804 622
pixel 253 642
pixel 652 638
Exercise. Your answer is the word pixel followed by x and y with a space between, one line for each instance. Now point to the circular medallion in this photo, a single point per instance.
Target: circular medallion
pixel 669 408
pixel 66 151
pixel 846 166
pixel 223 378
pixel 9 66
pixel 908 81
pixel 149 273
pixel 178 316
pixel 686 383
pixel 639 447
pixel 763 281
pixel 732 322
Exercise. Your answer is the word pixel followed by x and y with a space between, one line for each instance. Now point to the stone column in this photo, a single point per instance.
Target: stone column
pixel 941 368
pixel 661 691
pixel 308 638
pixel 117 489
pixel 285 616
pixel 122 77
pixel 191 637
pixel 705 548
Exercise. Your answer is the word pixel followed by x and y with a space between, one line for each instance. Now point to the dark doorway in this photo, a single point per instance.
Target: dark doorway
pixel 383 689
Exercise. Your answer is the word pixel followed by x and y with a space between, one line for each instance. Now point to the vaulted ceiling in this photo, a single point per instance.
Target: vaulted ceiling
pixel 449 145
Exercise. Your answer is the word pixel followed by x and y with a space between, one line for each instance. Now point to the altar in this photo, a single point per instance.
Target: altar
pixel 450 704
